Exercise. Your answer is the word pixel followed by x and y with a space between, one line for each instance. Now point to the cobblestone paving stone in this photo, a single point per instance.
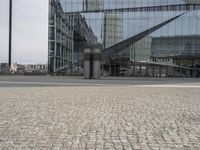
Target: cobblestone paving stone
pixel 99 118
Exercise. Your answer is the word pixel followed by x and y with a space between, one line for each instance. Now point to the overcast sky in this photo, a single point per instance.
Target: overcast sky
pixel 30 31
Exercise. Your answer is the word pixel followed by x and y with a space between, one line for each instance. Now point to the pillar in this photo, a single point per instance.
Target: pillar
pixel 153 71
pixel 167 71
pixel 10 34
pixel 174 71
pixel 87 63
pixel 140 70
pixel 96 63
pixel 160 71
pixel 147 70
pixel 134 68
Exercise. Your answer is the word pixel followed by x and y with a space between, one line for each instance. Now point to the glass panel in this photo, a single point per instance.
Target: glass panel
pixel 165 34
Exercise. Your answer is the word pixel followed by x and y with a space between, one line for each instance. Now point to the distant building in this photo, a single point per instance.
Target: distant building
pixel 28 68
pixel 4 68
pixel 177 50
pixel 16 68
pixel 192 1
pixel 113 29
pixel 35 68
pixel 91 5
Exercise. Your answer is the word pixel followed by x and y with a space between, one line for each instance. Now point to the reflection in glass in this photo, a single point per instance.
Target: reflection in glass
pixel 135 35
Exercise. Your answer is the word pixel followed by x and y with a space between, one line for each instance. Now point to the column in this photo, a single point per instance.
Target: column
pixel 87 61
pixel 96 63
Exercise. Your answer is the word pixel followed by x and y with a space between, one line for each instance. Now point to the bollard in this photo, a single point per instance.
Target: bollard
pixel 96 63
pixel 87 63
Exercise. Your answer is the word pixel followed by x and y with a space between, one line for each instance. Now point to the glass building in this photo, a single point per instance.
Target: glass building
pixel 138 37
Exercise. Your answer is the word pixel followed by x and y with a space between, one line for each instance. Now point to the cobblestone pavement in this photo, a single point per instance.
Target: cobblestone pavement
pixel 99 118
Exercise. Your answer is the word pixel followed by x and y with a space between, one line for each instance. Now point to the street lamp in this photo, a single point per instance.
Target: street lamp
pixel 10 34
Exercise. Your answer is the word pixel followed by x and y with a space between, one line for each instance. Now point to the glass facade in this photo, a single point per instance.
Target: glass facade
pixel 138 37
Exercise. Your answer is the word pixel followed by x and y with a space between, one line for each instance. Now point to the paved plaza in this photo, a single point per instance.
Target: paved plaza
pixel 58 113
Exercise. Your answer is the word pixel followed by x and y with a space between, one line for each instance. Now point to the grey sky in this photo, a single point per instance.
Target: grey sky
pixel 30 31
